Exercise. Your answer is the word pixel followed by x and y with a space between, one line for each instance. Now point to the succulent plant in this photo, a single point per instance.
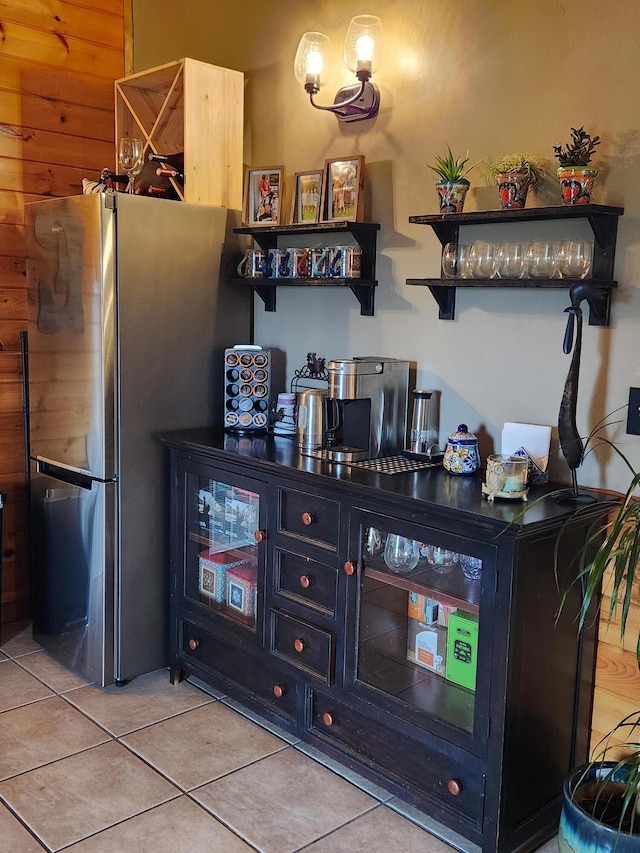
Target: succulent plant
pixel 518 162
pixel 452 168
pixel 579 151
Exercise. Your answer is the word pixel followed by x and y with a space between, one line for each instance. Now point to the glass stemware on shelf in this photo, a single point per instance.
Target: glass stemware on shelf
pixel 512 260
pixel 400 553
pixel 541 259
pixel 575 259
pixel 131 158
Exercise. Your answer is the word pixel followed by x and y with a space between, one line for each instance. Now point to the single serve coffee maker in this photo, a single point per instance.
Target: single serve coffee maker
pixel 366 408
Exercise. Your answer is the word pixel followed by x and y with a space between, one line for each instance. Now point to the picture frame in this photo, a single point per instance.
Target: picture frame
pixel 263 196
pixel 342 197
pixel 307 197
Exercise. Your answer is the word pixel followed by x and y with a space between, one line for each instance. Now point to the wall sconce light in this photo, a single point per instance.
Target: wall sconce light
pixel 362 54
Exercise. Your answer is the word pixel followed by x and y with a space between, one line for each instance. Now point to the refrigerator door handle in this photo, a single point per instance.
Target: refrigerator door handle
pixel 67 474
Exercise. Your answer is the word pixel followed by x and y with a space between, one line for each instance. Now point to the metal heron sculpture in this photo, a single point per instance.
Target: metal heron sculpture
pixel 571 443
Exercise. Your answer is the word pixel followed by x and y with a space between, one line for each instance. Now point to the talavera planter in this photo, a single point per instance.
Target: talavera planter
pixel 576 184
pixel 512 189
pixel 452 195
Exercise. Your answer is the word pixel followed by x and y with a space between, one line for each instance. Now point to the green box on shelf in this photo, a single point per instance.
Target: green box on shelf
pixel 462 649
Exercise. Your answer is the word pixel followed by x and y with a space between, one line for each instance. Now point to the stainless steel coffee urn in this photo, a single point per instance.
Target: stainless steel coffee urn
pixel 423 437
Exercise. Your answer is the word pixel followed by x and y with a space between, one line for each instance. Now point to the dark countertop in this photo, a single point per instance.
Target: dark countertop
pixel 436 488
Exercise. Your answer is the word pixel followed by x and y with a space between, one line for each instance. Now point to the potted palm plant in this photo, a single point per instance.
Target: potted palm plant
pixel 453 184
pixel 601 810
pixel 575 175
pixel 514 174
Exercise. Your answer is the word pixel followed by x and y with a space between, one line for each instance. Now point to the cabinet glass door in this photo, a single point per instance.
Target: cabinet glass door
pixel 221 569
pixel 419 625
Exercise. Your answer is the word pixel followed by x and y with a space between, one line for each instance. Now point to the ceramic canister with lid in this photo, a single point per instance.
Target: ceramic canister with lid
pixel 461 455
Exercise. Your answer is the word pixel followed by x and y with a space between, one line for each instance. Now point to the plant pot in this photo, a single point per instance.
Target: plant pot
pixel 452 195
pixel 576 184
pixel 512 189
pixel 580 831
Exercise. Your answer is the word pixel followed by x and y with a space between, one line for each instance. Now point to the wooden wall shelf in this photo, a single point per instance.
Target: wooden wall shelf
pixel 363 288
pixel 603 220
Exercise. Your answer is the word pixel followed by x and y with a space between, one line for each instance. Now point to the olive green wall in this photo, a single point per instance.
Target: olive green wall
pixel 492 77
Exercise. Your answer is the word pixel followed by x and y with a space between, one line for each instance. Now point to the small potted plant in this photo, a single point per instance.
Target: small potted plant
pixel 453 184
pixel 575 175
pixel 514 174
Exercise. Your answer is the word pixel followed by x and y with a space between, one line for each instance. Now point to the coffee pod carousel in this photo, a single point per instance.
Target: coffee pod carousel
pixel 506 477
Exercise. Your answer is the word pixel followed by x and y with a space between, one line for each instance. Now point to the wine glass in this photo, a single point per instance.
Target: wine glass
pixel 130 158
pixel 450 261
pixel 401 554
pixel 543 259
pixel 512 260
pixel 483 259
pixel 575 259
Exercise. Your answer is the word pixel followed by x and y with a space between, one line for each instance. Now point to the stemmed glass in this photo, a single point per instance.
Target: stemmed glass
pixel 130 158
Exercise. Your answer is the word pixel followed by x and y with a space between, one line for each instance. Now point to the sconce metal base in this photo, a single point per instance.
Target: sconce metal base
pixel 365 107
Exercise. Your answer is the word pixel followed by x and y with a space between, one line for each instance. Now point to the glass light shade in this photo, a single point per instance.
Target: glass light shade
pixel 363 46
pixel 311 59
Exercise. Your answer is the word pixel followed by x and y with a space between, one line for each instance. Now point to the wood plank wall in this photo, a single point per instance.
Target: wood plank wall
pixel 617 677
pixel 58 63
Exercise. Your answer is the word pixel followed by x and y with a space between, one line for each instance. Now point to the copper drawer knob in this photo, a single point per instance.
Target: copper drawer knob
pixel 349 568
pixel 194 644
pixel 327 718
pixel 305 581
pixel 307 518
pixel 278 691
pixel 454 787
pixel 260 535
pixel 298 644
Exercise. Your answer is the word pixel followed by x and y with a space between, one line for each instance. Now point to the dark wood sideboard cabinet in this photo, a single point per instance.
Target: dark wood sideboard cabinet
pixel 465 696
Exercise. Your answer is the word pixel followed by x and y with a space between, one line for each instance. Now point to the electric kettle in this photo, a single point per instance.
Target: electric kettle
pixel 310 420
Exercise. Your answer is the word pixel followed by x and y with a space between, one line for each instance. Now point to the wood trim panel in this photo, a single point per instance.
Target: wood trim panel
pixel 59 63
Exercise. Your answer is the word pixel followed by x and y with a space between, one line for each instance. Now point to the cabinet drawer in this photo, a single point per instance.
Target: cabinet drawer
pixel 309 517
pixel 305 581
pixel 309 648
pixel 249 672
pixel 455 784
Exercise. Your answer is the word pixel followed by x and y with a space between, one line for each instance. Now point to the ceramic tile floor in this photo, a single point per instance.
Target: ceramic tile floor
pixel 156 767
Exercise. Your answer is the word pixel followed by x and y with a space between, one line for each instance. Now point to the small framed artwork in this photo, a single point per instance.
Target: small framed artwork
pixel 307 197
pixel 342 194
pixel 263 190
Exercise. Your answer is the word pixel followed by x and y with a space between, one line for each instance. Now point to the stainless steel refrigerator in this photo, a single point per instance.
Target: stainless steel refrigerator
pixel 128 322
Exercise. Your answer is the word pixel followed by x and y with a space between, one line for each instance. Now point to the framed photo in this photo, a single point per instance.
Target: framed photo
pixel 307 197
pixel 263 191
pixel 342 197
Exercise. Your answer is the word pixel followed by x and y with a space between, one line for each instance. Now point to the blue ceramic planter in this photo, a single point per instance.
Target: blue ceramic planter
pixel 581 833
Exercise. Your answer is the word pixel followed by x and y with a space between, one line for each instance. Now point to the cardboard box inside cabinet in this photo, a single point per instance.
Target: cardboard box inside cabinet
pixel 444 612
pixel 422 608
pixel 462 649
pixel 241 589
pixel 427 646
pixel 212 566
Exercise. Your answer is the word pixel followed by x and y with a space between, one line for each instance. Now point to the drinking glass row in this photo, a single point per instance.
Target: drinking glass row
pixel 536 259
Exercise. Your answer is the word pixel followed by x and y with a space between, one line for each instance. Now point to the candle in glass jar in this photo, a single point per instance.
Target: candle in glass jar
pixel 513 483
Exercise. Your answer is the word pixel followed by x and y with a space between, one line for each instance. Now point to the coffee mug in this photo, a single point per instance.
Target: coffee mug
pixel 299 266
pixel 253 264
pixel 345 262
pixel 277 263
pixel 319 263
